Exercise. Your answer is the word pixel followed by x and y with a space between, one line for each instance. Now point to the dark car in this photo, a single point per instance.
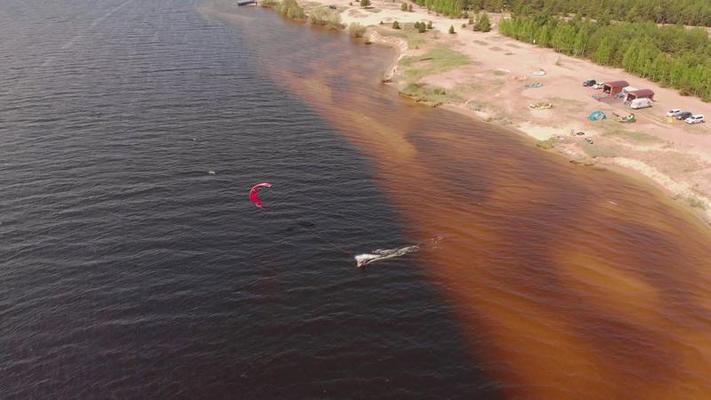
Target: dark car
pixel 589 82
pixel 683 115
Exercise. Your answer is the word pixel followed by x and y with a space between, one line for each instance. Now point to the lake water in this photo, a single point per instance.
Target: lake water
pixel 128 271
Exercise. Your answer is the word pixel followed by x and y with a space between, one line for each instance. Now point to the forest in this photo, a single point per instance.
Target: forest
pixel 685 12
pixel 671 55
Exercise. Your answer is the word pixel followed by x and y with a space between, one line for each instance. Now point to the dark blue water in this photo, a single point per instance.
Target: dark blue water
pixel 127 271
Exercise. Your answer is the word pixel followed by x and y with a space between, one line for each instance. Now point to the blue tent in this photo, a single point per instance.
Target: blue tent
pixel 597 116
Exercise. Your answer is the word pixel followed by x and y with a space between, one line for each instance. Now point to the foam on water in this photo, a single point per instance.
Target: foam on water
pixel 385 254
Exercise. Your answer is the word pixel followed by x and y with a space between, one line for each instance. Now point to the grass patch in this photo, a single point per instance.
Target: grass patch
pixel 466 88
pixel 437 60
pixel 414 39
pixel 431 95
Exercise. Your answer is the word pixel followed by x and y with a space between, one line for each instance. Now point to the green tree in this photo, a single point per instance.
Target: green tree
pixel 629 60
pixel 580 42
pixel 451 30
pixel 603 54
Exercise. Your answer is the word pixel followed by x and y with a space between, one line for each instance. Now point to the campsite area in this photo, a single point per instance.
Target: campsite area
pixel 498 79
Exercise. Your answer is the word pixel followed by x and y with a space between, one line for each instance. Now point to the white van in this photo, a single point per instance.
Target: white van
pixel 640 103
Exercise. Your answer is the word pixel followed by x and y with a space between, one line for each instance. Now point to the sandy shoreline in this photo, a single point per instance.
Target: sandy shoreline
pixel 674 156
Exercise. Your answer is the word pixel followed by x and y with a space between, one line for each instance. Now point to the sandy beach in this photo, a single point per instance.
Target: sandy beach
pixel 490 84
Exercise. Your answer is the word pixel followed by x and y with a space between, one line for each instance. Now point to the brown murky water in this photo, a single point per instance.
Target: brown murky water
pixel 575 282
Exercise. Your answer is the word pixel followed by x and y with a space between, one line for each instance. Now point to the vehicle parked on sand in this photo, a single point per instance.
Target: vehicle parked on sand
pixel 640 103
pixel 673 112
pixel 683 115
pixel 589 82
pixel 695 119
pixel 598 86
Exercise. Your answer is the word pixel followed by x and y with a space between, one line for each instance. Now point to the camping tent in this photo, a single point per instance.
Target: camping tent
pixel 597 116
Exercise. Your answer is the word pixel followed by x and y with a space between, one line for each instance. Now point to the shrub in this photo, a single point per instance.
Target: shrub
pixel 697 203
pixel 396 25
pixel 409 7
pixel 356 30
pixel 291 9
pixel 325 16
pixel 403 7
pixel 421 27
pixel 483 24
pixel 429 25
pixel 451 30
pixel 365 3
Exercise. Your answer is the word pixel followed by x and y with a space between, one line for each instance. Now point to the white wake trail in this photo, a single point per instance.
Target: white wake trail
pixel 384 254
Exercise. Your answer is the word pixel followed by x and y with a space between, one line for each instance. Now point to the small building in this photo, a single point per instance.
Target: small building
pixel 614 87
pixel 639 94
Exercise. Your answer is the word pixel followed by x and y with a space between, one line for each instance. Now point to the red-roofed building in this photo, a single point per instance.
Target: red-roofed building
pixel 640 94
pixel 614 87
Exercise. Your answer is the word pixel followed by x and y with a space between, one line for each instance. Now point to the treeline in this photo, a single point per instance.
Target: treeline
pixel 671 55
pixel 685 12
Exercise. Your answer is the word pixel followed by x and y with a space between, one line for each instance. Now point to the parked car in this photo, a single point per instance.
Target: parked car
pixel 695 119
pixel 640 103
pixel 589 82
pixel 673 112
pixel 683 115
pixel 598 85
